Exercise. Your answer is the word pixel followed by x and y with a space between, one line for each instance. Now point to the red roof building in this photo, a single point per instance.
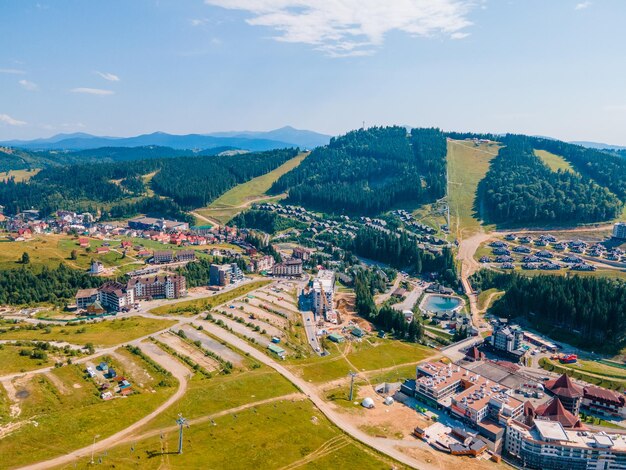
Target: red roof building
pixel 555 411
pixel 567 391
pixel 606 402
pixel 473 354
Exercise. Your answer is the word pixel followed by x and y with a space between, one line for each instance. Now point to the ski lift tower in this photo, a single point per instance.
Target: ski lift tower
pixel 182 422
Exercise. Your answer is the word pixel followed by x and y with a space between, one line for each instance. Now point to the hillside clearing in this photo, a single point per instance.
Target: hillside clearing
pixel 468 164
pixel 241 196
pixel 555 162
pixel 19 175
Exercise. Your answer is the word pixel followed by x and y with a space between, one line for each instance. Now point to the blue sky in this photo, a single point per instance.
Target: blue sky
pixel 121 68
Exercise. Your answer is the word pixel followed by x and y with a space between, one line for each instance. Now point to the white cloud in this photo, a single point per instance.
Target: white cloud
pixel 582 5
pixel 197 21
pixel 92 91
pixel 353 27
pixel 13 71
pixel 459 35
pixel 109 76
pixel 28 85
pixel 6 119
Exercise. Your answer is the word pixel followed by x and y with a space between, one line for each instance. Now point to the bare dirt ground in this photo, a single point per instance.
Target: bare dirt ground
pixel 291 313
pixel 264 315
pixel 185 349
pixel 283 304
pixel 237 327
pixel 212 345
pixel 395 421
pixel 344 304
pixel 17 388
pixel 445 462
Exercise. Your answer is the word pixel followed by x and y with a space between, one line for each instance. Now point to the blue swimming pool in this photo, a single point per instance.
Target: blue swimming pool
pixel 440 303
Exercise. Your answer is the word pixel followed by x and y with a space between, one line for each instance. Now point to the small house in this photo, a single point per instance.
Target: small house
pixel 103 366
pixel 280 352
pixel 336 338
pixel 358 332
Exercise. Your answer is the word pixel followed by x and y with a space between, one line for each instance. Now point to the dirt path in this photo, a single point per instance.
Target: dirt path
pixel 476 149
pixel 328 447
pixel 381 445
pixel 210 344
pixel 211 417
pixel 179 371
pixel 211 221
pixel 58 383
pixel 184 349
pixel 489 301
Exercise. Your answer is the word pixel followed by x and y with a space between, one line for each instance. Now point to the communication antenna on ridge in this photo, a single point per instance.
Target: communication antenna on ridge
pixel 181 422
pixel 363 125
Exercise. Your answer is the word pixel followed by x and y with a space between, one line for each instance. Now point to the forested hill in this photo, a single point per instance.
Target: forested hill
pixel 185 182
pixel 520 188
pixel 20 159
pixel 368 171
pixel 587 311
pixel 603 167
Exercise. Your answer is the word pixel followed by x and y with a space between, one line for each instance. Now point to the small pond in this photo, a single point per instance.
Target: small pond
pixel 440 303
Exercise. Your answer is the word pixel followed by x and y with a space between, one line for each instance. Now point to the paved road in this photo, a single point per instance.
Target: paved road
pixel 410 299
pixel 308 321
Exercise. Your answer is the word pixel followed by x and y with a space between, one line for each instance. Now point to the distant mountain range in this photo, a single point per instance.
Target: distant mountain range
pixel 247 140
pixel 599 145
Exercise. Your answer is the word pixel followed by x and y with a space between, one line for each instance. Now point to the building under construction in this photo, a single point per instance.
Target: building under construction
pixel 323 295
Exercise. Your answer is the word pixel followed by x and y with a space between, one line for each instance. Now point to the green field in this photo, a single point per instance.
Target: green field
pixel 467 165
pixel 232 202
pixel 554 162
pixel 222 392
pixel 274 435
pixel 369 355
pixel 592 372
pixel 103 333
pixel 51 250
pixel 11 361
pixel 152 245
pixel 207 303
pixel 63 414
